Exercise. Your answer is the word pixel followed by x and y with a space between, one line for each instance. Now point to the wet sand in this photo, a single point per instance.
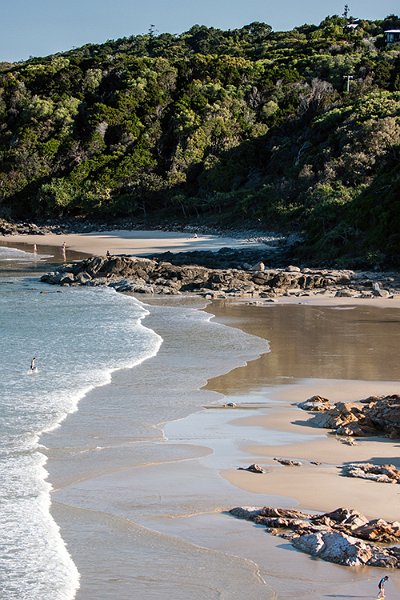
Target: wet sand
pixel 162 505
pixel 143 517
pixel 343 355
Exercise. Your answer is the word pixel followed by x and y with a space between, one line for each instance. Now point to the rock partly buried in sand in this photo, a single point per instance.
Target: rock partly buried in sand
pixel 345 293
pixel 289 462
pixel 347 441
pixel 253 469
pixel 343 536
pixel 371 417
pixel 251 512
pixel 380 473
pixel 316 404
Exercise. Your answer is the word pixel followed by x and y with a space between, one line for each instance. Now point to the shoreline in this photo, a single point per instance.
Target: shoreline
pixel 241 484
pixel 135 242
pixel 313 487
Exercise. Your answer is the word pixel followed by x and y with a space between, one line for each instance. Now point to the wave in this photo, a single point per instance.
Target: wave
pixel 79 337
pixel 14 254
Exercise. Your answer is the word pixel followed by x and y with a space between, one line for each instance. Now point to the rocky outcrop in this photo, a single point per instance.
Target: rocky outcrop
pixel 10 228
pixel 155 275
pixel 76 225
pixel 380 473
pixel 370 417
pixel 344 536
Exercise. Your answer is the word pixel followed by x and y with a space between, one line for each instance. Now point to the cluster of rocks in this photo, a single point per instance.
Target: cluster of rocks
pixel 370 417
pixel 364 284
pixel 155 276
pixel 243 258
pixel 61 226
pixel 9 228
pixel 381 473
pixel 344 536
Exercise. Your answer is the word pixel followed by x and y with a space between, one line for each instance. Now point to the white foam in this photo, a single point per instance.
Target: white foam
pixel 14 254
pixel 79 338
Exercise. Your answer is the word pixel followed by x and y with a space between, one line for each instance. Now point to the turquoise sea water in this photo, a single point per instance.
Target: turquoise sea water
pixel 79 337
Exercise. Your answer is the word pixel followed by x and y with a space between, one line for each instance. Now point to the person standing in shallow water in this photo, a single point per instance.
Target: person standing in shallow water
pixel 381 586
pixel 33 364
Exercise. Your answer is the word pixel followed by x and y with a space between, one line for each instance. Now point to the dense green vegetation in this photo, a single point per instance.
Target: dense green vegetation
pixel 247 127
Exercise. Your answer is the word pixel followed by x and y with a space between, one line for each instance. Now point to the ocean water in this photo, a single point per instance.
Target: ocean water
pixel 16 255
pixel 79 337
pixel 83 339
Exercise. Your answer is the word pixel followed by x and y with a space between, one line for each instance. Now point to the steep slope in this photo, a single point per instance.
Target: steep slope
pixel 249 127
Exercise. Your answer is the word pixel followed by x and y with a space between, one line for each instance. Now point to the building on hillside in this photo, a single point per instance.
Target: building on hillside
pixel 392 36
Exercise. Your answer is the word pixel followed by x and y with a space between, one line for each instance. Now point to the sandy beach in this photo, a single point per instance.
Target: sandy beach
pixel 128 242
pixel 312 365
pixel 170 492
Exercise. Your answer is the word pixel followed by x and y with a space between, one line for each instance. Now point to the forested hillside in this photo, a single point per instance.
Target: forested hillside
pixel 246 128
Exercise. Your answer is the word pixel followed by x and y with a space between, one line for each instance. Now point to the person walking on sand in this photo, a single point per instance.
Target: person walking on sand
pixel 381 586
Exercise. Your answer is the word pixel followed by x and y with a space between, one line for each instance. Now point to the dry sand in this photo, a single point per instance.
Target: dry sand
pixel 320 487
pixel 128 242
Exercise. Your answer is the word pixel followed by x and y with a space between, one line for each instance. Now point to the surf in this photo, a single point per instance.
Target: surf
pixel 83 336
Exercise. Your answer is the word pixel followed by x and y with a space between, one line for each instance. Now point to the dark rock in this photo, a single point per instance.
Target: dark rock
pixel 204 273
pixel 67 279
pixel 82 278
pixel 337 537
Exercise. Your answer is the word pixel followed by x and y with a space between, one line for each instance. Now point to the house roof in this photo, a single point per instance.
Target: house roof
pixel 392 31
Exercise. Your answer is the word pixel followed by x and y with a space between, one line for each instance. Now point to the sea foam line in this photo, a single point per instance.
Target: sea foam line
pixel 104 377
pixel 79 395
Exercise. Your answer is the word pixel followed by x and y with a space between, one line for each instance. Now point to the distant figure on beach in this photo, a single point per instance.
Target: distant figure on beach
pixel 33 364
pixel 108 254
pixel 381 586
pixel 195 236
pixel 34 249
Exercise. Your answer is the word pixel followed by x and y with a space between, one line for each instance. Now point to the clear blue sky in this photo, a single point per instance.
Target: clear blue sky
pixel 42 27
